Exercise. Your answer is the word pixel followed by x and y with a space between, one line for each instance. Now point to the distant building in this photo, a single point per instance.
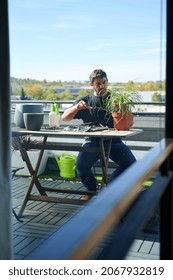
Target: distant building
pixel 73 90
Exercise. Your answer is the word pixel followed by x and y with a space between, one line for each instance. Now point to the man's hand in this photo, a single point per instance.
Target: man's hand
pixel 69 114
pixel 82 105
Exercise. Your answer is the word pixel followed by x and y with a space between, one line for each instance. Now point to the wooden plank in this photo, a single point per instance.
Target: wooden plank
pixel 146 247
pixel 153 161
pixel 34 231
pixel 69 200
pixel 28 248
pixel 23 244
pixel 106 134
pixel 41 219
pixel 140 256
pixel 135 247
pixel 155 249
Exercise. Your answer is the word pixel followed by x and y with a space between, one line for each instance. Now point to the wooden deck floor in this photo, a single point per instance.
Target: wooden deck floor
pixel 41 219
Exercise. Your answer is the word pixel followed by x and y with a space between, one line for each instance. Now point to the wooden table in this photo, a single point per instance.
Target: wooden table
pixel 46 144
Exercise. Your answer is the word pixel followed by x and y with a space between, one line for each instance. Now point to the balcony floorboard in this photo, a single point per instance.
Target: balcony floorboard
pixel 41 219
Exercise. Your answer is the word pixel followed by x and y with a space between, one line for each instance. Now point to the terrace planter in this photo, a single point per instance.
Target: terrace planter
pixel 25 108
pixel 33 156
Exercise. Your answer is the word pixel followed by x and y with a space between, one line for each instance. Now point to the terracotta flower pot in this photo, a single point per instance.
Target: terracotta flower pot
pixel 122 121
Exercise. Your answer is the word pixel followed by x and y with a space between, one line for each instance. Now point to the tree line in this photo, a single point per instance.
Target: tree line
pixel 43 90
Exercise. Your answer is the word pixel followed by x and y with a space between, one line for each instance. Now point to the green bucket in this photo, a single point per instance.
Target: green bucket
pixel 67 165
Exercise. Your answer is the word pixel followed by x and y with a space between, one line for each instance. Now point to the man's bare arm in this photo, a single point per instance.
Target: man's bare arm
pixel 69 114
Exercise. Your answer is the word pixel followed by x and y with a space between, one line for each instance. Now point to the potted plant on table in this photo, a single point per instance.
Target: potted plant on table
pixel 121 104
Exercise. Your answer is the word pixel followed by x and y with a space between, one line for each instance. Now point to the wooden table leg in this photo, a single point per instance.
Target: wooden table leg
pixel 33 172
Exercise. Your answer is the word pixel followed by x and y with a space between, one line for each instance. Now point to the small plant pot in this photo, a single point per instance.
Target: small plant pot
pixel 122 121
pixel 33 121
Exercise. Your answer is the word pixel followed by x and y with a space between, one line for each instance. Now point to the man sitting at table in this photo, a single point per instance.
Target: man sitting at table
pixel 91 109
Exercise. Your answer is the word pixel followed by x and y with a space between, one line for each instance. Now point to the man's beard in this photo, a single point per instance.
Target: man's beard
pixel 101 91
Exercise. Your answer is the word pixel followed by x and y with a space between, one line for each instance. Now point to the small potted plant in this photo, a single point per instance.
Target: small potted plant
pixel 120 104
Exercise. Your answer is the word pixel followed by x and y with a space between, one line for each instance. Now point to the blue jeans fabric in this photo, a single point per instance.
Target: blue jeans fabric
pixel 119 153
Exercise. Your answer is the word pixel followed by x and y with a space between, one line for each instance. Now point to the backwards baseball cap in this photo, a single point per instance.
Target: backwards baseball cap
pixel 97 73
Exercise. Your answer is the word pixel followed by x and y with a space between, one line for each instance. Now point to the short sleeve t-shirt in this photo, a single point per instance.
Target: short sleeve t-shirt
pixel 97 114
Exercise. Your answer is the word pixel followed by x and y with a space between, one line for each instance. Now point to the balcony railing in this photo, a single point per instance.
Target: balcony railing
pixel 64 103
pixel 152 123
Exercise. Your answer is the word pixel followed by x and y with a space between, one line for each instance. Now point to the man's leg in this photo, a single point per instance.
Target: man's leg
pixel 122 155
pixel 84 164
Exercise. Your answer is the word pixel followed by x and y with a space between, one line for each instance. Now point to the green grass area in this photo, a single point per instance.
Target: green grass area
pixel 49 174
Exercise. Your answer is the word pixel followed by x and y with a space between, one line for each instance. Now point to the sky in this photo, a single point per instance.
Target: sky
pixel 67 39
